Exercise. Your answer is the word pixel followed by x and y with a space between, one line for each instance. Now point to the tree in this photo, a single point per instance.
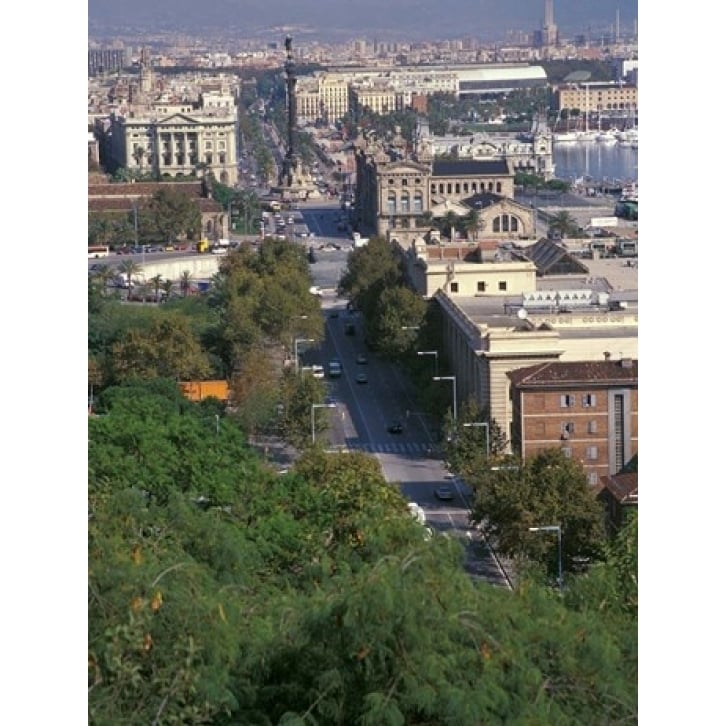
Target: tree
pixel 170 214
pixel 470 224
pixel 185 282
pixel 156 283
pixel 564 223
pixel 374 263
pixel 547 489
pixel 129 269
pixel 168 349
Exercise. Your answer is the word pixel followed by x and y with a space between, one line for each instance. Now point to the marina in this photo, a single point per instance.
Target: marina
pixel 600 164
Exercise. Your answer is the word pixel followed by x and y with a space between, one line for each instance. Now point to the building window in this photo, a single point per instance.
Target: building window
pixel 567 452
pixel 391 181
pixel 592 427
pixel 209 158
pixel 454 287
pixel 481 286
pixel 391 203
pixel 448 188
pixel 207 144
pixel 592 478
pixel 567 401
pixel 433 188
pixel 405 207
pixel 567 428
pixel 591 453
pixel 466 187
pixel 418 202
pixel 404 182
pixel 457 188
pixel 502 285
pixel 589 400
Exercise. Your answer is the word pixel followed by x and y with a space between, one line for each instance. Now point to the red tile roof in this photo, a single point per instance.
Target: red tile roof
pixel 623 487
pixel 604 372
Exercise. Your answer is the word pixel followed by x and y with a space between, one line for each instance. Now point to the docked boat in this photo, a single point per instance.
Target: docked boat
pixel 607 137
pixel 565 137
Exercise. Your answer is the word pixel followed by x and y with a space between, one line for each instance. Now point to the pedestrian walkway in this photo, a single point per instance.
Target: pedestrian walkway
pixel 387 447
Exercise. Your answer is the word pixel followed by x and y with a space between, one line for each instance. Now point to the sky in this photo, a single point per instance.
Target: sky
pixel 412 19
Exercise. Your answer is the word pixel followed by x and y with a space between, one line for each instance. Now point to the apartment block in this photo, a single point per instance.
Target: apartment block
pixel 587 409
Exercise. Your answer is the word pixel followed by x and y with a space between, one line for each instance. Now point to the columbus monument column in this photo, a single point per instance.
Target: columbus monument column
pixel 293 181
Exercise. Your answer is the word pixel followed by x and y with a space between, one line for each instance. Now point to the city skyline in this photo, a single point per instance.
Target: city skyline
pixel 488 20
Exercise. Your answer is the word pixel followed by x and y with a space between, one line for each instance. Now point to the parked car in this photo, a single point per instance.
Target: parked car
pixel 361 378
pixel 395 427
pixel 361 359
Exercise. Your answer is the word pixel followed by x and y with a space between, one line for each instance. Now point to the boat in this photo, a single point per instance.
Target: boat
pixel 566 137
pixel 607 137
pixel 587 135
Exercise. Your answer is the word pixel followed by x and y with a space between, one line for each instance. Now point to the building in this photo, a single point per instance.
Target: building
pixel 159 132
pixel 107 60
pixel 619 494
pixel 125 200
pixel 588 409
pixel 597 97
pixel 175 141
pixel 399 190
pixel 516 320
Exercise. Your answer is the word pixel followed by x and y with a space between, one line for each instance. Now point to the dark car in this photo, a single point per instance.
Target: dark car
pixel 361 378
pixel 349 329
pixel 444 493
pixel 395 427
pixel 361 360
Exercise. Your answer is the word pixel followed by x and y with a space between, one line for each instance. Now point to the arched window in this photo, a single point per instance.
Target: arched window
pixel 490 187
pixel 418 202
pixel 391 203
pixel 499 187
pixel 405 206
pixel 513 224
pixel 496 226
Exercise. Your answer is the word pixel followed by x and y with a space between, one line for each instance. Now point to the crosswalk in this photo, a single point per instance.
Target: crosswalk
pixel 386 447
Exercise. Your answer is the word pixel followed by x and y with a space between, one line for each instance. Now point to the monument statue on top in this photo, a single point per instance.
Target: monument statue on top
pixel 294 182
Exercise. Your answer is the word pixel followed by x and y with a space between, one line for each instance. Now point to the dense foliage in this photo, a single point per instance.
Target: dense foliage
pixel 221 592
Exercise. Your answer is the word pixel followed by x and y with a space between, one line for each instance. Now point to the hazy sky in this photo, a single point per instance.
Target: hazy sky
pixel 316 18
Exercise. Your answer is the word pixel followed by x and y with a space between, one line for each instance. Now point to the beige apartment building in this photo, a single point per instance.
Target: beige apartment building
pixel 594 97
pixel 322 97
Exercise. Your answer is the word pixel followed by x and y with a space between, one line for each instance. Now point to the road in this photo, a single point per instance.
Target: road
pixel 364 411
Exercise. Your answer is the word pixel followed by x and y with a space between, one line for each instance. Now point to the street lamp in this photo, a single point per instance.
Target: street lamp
pixel 300 340
pixel 558 529
pixel 312 416
pixel 485 424
pixel 434 353
pixel 453 380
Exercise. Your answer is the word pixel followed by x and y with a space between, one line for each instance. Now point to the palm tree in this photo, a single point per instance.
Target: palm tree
pixel 104 275
pixel 129 268
pixel 185 282
pixel 167 286
pixel 450 221
pixel 156 282
pixel 564 223
pixel 471 224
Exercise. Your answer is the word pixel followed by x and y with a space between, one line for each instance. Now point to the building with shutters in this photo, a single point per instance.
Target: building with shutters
pixel 587 409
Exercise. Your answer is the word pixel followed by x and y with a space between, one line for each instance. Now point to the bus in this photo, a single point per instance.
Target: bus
pixel 96 251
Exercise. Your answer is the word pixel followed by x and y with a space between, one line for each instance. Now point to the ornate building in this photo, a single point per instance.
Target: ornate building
pixel 168 136
pixel 399 193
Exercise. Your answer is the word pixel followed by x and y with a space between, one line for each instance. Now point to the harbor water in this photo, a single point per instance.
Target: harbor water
pixel 597 162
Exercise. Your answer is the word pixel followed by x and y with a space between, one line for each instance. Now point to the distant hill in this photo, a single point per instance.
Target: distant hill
pixel 315 19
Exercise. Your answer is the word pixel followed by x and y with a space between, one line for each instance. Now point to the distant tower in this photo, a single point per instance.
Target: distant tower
pixel 617 25
pixel 549 29
pixel 290 161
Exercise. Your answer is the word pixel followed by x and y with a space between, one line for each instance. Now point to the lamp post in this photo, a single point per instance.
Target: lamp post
pixel 453 380
pixel 300 340
pixel 434 353
pixel 312 416
pixel 477 424
pixel 558 529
